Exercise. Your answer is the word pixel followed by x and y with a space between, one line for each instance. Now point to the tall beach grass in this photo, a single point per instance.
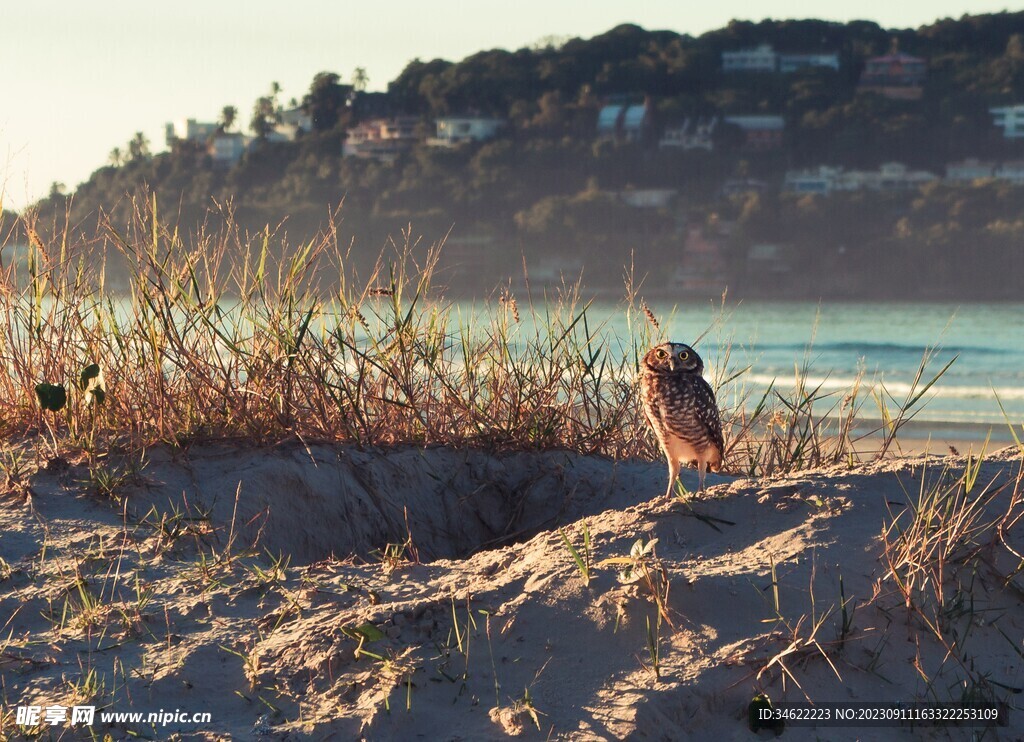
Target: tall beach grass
pixel 241 336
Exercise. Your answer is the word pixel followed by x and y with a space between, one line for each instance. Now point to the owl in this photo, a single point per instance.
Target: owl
pixel 681 409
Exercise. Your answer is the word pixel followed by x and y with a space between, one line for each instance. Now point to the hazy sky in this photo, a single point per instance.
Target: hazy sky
pixel 80 78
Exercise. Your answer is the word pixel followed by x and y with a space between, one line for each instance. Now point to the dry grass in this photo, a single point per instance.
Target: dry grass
pixel 241 339
pixel 952 537
pixel 244 337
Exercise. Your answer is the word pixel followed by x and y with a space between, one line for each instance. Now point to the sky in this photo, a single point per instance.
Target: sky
pixel 81 78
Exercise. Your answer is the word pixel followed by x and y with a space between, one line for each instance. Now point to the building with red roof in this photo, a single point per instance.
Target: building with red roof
pixel 899 76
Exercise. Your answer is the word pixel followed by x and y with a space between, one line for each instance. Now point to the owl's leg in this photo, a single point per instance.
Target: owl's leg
pixel 673 475
pixel 702 466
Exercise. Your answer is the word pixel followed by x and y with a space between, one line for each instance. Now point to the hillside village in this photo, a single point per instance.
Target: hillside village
pixel 699 153
pixel 894 76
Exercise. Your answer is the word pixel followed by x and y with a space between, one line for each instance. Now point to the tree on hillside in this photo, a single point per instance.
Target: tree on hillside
pixel 116 157
pixel 1011 66
pixel 409 90
pixel 138 147
pixel 360 79
pixel 327 99
pixel 266 112
pixel 550 43
pixel 228 115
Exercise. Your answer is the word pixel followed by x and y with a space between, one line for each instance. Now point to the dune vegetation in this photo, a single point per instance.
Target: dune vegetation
pixel 312 502
pixel 232 335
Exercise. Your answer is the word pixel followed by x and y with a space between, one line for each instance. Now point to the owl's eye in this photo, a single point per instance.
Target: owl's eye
pixel 683 355
pixel 662 355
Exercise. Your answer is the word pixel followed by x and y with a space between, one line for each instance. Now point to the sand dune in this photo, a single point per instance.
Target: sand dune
pixel 477 622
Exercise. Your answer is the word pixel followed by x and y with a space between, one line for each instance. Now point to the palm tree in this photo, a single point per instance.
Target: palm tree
pixel 262 121
pixel 360 79
pixel 266 112
pixel 138 147
pixel 228 114
pixel 116 157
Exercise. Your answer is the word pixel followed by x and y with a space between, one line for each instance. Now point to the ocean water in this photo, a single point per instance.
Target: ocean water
pixel 885 340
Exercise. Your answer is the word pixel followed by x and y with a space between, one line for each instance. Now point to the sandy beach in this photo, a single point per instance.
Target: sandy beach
pixel 314 592
pixel 931 437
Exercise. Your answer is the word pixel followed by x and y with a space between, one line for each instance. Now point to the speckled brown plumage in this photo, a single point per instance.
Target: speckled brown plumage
pixel 681 409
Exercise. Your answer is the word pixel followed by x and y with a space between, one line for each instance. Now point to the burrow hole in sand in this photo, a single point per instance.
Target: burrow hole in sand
pixel 314 502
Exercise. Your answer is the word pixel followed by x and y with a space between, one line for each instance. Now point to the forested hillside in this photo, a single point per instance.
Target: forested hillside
pixel 549 188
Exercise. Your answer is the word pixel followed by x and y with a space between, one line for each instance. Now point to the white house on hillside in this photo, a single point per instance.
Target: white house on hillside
pixel 1010 119
pixel 892 176
pixel 623 122
pixel 608 120
pixel 764 59
pixel 690 135
pixel 189 130
pixel 454 130
pixel 761 132
pixel 895 176
pixel 969 170
pixel 1012 172
pixel 760 59
pixel 292 123
pixel 381 139
pixel 227 148
pixel 297 117
pixel 794 62
pixel 648 198
pixel 821 180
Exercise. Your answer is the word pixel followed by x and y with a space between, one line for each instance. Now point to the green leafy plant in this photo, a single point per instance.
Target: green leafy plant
pixel 582 560
pixel 654 644
pixel 364 633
